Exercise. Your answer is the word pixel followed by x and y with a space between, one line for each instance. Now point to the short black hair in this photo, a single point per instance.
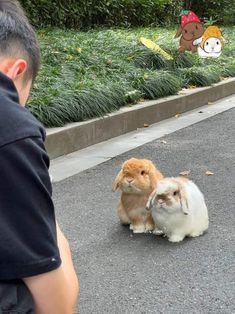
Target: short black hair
pixel 17 37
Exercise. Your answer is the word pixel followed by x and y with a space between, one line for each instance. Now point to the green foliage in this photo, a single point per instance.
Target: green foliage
pixel 159 85
pixel 71 107
pixel 229 70
pixel 89 13
pixel 145 58
pixel 200 76
pixel 222 11
pixel 89 74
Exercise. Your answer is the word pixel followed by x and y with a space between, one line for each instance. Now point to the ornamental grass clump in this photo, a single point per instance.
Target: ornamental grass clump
pixel 145 58
pixel 199 77
pixel 159 85
pixel 71 106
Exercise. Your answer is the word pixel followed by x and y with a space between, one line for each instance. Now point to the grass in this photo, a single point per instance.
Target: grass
pixel 89 74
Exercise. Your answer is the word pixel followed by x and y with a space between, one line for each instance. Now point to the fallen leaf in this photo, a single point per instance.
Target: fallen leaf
pixel 177 115
pixel 164 142
pixel 209 173
pixel 79 50
pixel 185 173
pixel 210 103
pixel 146 125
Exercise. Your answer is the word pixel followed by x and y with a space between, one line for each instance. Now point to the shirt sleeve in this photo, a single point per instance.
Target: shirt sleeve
pixel 28 243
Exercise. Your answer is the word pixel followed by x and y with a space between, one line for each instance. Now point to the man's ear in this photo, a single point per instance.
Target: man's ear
pixel 179 32
pixel 16 69
pixel 117 181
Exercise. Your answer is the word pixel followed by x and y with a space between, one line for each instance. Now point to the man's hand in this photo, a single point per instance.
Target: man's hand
pixel 56 292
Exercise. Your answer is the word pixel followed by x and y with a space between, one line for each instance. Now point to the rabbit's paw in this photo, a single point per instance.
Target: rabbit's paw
pixel 149 227
pixel 176 238
pixel 139 228
pixel 157 232
pixel 196 234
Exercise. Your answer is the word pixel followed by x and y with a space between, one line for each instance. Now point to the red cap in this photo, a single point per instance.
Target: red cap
pixel 188 17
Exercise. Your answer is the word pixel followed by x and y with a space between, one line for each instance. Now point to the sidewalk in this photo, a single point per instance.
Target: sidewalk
pixel 125 273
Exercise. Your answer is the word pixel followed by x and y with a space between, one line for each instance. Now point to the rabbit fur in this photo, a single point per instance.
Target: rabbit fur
pixel 178 209
pixel 137 179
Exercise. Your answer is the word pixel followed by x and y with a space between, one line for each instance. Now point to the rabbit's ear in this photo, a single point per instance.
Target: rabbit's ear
pixel 151 200
pixel 117 181
pixel 179 32
pixel 184 203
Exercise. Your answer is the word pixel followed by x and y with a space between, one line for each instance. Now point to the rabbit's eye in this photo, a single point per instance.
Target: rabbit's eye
pixel 207 43
pixel 143 172
pixel 175 193
pixel 185 31
pixel 217 43
pixel 196 27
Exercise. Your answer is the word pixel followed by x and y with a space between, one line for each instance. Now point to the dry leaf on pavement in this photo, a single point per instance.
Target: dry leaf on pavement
pixel 185 173
pixel 209 173
pixel 146 125
pixel 177 115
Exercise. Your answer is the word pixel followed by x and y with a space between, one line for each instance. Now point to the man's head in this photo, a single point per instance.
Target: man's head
pixel 19 49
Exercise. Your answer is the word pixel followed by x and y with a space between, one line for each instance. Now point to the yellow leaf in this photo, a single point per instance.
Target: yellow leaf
pixel 79 50
pixel 155 48
pixel 185 173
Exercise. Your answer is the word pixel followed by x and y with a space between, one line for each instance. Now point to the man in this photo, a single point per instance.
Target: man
pixel 36 268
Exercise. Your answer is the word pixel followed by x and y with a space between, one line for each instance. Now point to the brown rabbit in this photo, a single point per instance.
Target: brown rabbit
pixel 137 179
pixel 191 29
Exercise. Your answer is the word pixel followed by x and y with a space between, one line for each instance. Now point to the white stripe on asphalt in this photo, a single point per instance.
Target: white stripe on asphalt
pixel 69 165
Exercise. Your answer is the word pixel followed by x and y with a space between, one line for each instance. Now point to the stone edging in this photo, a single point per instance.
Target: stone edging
pixel 76 136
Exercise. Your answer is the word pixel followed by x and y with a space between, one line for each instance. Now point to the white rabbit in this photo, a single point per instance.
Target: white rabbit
pixel 211 44
pixel 179 210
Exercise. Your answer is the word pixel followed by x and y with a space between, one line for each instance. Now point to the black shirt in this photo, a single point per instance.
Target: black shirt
pixel 28 244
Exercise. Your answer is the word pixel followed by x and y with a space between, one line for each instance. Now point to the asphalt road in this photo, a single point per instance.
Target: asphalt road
pixel 124 273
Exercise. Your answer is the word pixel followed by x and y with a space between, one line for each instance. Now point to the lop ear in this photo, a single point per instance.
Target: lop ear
pixel 223 41
pixel 179 32
pixel 151 200
pixel 117 181
pixel 184 203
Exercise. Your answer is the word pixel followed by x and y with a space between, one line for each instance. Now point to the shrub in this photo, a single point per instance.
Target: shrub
pixel 89 13
pixel 222 11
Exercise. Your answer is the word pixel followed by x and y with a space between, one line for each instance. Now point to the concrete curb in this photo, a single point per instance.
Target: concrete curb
pixel 76 136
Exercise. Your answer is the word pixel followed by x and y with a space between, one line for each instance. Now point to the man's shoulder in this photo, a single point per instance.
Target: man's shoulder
pixel 16 122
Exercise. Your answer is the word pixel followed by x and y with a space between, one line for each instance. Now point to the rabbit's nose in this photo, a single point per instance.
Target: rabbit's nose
pixel 129 180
